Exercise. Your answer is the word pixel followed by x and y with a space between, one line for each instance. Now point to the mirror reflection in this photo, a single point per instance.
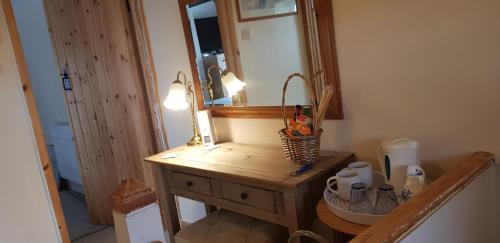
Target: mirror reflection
pixel 259 42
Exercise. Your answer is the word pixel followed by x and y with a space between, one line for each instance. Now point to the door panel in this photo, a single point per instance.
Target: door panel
pixel 93 40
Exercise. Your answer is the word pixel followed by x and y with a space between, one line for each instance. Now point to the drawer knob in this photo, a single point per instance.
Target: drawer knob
pixel 244 196
pixel 189 184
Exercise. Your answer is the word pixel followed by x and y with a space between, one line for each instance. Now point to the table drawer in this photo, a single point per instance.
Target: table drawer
pixel 191 183
pixel 252 196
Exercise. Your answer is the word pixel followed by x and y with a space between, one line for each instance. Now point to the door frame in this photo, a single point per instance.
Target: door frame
pixel 35 119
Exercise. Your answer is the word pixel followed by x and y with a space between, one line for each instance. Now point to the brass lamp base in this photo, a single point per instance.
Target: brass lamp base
pixel 195 141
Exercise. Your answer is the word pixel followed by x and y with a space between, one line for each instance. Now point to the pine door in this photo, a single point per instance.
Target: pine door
pixel 105 95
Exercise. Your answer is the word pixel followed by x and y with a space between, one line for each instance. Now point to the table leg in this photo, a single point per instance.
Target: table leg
pixel 341 237
pixel 167 203
pixel 296 212
pixel 173 218
pixel 210 208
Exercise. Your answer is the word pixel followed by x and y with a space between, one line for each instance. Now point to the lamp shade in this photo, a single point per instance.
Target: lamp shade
pixel 176 98
pixel 232 83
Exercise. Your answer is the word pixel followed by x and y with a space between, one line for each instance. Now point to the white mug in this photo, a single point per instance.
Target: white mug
pixel 365 172
pixel 344 180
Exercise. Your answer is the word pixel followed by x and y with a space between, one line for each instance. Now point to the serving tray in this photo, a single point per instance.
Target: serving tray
pixel 340 207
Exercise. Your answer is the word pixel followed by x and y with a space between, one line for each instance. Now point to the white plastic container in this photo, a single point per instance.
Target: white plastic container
pixel 64 147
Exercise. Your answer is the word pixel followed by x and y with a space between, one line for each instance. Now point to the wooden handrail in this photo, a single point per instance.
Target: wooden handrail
pixel 410 215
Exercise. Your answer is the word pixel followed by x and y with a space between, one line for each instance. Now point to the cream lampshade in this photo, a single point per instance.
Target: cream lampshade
pixel 176 98
pixel 232 83
pixel 180 97
pixel 228 79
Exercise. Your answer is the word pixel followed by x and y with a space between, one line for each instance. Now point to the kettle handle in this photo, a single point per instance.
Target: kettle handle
pixel 387 167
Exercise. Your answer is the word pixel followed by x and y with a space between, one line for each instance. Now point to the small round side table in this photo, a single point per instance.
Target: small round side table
pixel 343 230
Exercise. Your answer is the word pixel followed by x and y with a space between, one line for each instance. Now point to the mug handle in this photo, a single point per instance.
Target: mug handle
pixel 329 185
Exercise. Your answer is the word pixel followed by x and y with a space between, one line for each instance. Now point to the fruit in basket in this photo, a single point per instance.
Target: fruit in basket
pixel 298 129
pixel 304 130
pixel 306 120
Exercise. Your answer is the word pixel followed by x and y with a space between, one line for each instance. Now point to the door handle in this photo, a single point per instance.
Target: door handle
pixel 66 80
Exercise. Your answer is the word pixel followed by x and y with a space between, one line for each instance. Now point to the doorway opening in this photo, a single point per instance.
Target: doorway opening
pixel 48 88
pixel 95 111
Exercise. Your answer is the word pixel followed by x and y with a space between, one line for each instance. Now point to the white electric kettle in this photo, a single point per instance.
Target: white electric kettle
pixel 395 156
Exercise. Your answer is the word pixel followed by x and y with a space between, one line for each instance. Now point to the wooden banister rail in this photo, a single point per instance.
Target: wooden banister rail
pixel 410 215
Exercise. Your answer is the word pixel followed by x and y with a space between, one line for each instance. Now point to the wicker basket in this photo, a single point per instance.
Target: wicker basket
pixel 299 149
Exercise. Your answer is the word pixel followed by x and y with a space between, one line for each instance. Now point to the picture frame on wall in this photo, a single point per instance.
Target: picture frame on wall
pixel 251 10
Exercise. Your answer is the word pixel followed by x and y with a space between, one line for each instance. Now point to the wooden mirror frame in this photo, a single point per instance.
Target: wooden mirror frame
pixel 327 57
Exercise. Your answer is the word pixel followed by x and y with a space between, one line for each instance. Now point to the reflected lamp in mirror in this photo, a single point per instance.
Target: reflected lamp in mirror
pixel 229 80
pixel 232 83
pixel 180 97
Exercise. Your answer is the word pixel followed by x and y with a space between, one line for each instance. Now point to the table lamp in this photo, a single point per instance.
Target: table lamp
pixel 180 96
pixel 229 80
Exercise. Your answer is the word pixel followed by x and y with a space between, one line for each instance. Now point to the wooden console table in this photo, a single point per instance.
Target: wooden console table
pixel 248 179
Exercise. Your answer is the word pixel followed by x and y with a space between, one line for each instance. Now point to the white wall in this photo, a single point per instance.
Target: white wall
pixel 425 69
pixel 274 50
pixel 41 61
pixel 26 213
pixel 471 216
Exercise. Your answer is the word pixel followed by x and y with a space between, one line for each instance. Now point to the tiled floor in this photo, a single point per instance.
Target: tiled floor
pixel 81 230
pixel 77 216
pixel 106 235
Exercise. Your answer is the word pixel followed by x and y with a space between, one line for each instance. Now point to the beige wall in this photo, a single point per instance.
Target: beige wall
pixel 26 213
pixel 425 69
pixel 429 70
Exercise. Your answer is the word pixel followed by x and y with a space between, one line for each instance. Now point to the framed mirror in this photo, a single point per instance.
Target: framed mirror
pixel 260 42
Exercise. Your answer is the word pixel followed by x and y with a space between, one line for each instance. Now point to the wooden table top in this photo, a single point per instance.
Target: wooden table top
pixel 336 223
pixel 256 162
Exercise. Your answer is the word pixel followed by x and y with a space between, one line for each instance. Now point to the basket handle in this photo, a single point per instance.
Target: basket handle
pixel 283 94
pixel 297 234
